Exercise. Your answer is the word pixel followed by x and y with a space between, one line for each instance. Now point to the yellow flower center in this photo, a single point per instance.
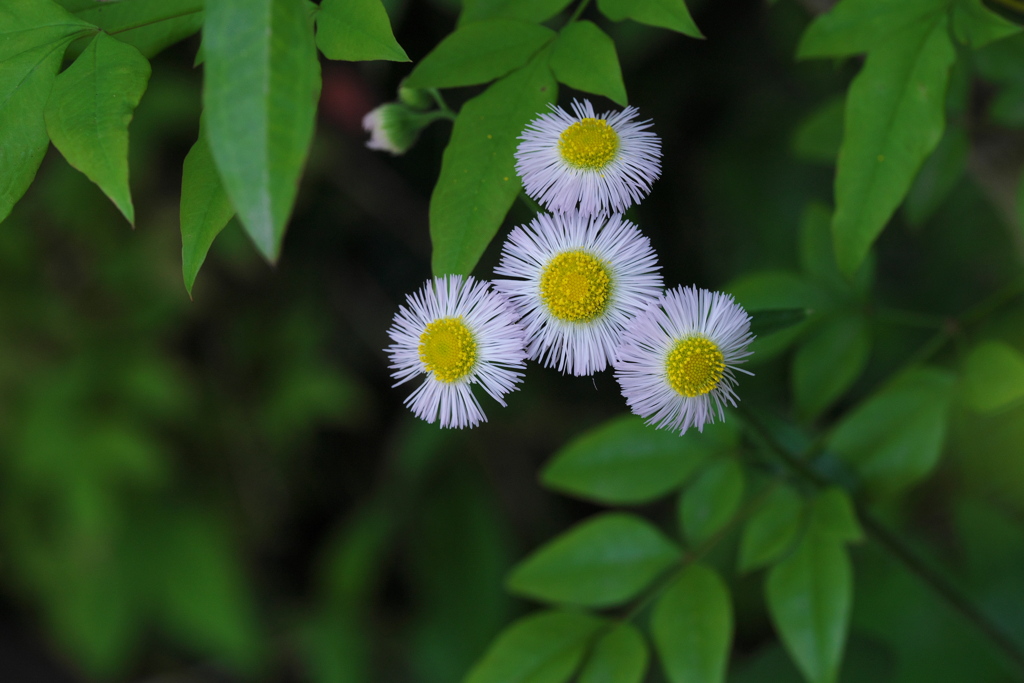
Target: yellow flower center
pixel 575 286
pixel 694 366
pixel 447 349
pixel 589 144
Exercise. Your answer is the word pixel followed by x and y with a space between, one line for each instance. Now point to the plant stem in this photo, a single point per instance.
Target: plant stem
pixel 697 553
pixel 578 11
pixel 897 548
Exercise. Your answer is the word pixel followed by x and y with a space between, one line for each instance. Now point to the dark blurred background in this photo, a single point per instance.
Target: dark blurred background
pixel 228 488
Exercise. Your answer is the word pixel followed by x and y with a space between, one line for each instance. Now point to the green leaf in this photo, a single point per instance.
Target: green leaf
pixel 584 58
pixel 829 361
pixel 260 95
pixel 624 461
pixel 712 500
pixel 895 437
pixel 33 37
pixel 819 136
pixel 205 208
pixel 768 322
pixel 817 255
pixel 25 84
pixel 854 26
pixel 90 107
pixel 771 530
pixel 692 627
pixel 833 516
pixel 938 175
pixel 601 562
pixel 773 290
pixel 147 25
pixel 356 30
pixel 479 53
pixel 670 14
pixel 27 24
pixel 809 597
pixel 456 552
pixel 533 11
pixel 895 115
pixel 976 26
pixel 204 600
pixel 619 656
pixel 546 647
pixel 478 182
pixel 993 376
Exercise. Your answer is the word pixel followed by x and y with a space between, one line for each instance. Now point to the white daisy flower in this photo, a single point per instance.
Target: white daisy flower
pixel 677 358
pixel 458 333
pixel 579 279
pixel 593 164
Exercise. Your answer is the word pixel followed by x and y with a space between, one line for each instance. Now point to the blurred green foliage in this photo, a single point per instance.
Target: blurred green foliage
pixel 229 488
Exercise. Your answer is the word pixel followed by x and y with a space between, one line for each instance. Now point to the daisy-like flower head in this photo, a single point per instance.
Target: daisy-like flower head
pixel 596 164
pixel 457 333
pixel 578 281
pixel 677 358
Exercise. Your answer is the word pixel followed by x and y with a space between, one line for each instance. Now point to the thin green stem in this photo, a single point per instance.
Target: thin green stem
pixel 442 106
pixel 578 11
pixel 896 547
pixel 697 553
pixel 897 316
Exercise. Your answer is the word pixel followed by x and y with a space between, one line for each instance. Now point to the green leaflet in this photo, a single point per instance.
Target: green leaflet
pixel 584 58
pixel 478 182
pixel 809 599
pixel 203 598
pixel 976 26
pixel 26 24
pixel 33 36
pixel 670 14
pixel 260 96
pixel 817 253
pixel 895 115
pixel 458 557
pixel 993 376
pixel 624 461
pixel 205 208
pixel 712 500
pixel 771 530
pixel 604 561
pixel 148 25
pixel 534 11
pixel 89 110
pixel 692 627
pixel 764 323
pixel 545 647
pixel 356 30
pixel 833 516
pixel 819 136
pixel 895 437
pixel 938 175
pixel 855 26
pixel 619 656
pixel 479 53
pixel 828 361
pixel 778 290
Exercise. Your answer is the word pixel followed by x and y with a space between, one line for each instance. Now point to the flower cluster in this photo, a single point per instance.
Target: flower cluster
pixel 579 290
